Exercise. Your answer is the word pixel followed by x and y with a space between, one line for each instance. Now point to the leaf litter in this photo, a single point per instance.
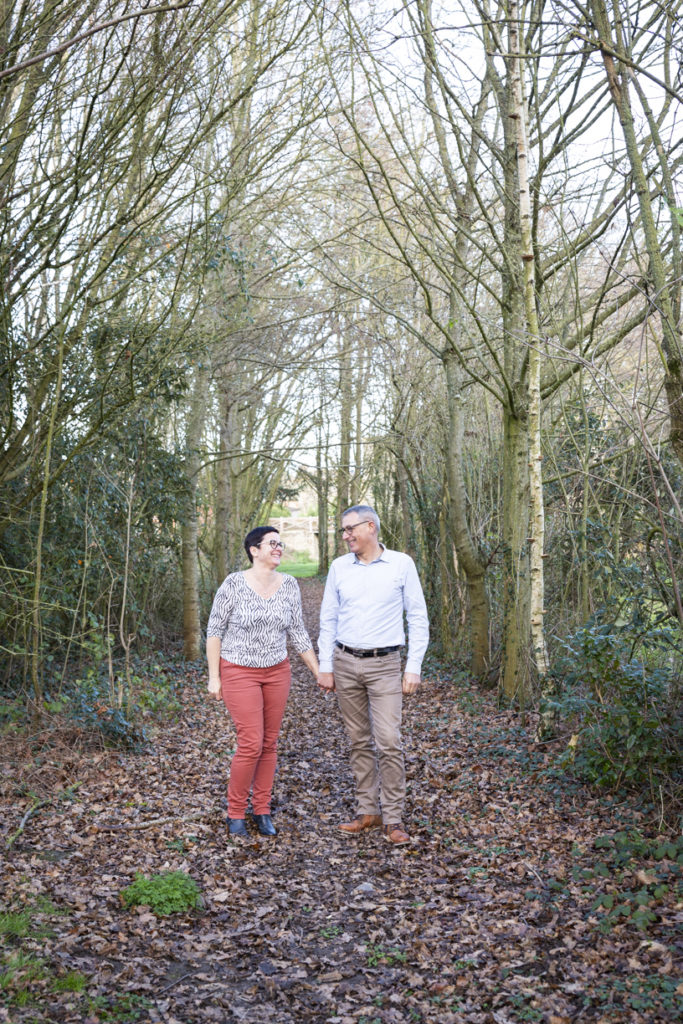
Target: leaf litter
pixel 502 909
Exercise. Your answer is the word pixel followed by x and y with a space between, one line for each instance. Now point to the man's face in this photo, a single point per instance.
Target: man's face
pixel 358 533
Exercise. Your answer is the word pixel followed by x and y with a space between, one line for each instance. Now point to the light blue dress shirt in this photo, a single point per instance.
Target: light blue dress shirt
pixel 363 607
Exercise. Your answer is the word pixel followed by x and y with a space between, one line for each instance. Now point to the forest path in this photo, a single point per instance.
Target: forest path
pixel 487 917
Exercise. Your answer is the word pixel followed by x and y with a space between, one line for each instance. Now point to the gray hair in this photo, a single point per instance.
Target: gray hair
pixel 364 510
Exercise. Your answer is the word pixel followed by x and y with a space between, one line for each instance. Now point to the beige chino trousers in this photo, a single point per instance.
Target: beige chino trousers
pixel 370 699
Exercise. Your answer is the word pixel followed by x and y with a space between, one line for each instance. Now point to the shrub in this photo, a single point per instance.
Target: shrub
pixel 91 707
pixel 628 732
pixel 157 692
pixel 171 892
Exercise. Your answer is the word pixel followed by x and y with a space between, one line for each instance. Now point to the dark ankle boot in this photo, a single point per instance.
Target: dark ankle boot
pixel 265 825
pixel 237 828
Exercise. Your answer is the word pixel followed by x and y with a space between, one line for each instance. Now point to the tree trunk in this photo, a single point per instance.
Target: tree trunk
pixel 548 715
pixel 516 657
pixel 346 411
pixel 667 287
pixel 446 580
pixel 189 530
pixel 468 557
pixel 227 526
pixel 404 502
pixel 515 674
pixel 322 488
pixel 36 679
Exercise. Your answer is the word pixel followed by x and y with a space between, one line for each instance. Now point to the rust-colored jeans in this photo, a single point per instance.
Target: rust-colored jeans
pixel 370 699
pixel 255 698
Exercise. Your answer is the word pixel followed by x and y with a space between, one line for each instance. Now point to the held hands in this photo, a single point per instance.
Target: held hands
pixel 411 681
pixel 326 681
pixel 214 687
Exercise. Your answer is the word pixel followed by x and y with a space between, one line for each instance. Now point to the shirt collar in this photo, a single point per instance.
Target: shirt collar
pixel 381 557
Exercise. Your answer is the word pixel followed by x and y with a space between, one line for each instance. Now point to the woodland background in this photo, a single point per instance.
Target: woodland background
pixel 424 254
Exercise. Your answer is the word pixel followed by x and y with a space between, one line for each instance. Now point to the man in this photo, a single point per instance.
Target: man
pixel 361 631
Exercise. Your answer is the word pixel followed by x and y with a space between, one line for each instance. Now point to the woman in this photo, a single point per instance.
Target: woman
pixel 253 613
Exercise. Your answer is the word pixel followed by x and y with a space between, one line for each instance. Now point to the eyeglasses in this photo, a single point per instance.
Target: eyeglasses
pixel 350 529
pixel 277 544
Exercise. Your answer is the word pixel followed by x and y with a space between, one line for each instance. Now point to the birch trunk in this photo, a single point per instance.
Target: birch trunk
pixel 515 675
pixel 516 656
pixel 518 113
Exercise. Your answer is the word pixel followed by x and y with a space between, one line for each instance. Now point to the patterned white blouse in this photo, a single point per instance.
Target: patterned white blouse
pixel 254 629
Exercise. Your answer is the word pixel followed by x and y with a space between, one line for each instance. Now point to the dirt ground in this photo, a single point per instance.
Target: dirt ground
pixel 522 897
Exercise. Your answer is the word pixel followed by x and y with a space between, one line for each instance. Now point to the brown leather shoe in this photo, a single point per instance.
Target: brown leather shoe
pixel 354 828
pixel 396 834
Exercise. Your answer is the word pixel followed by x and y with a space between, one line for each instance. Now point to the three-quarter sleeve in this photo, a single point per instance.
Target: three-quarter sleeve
pixel 296 631
pixel 221 608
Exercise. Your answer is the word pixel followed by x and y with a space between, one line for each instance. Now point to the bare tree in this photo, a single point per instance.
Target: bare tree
pixel 448 202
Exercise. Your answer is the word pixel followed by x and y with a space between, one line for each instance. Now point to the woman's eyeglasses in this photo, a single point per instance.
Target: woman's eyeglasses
pixel 277 544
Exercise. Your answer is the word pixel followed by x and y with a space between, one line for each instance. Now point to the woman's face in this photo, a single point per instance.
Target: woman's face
pixel 268 553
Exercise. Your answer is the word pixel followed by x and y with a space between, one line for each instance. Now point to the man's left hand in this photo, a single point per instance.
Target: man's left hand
pixel 411 681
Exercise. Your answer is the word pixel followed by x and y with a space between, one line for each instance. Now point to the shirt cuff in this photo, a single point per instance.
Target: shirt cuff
pixel 326 666
pixel 415 667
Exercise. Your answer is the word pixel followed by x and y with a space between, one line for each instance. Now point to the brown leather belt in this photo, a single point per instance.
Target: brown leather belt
pixel 368 652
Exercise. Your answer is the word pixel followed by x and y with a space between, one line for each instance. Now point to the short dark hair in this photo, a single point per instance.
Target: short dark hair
pixel 254 538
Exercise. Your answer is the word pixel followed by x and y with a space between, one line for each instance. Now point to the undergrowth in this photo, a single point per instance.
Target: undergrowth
pixel 171 892
pixel 621 694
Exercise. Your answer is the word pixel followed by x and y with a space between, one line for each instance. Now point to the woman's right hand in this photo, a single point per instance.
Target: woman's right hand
pixel 214 687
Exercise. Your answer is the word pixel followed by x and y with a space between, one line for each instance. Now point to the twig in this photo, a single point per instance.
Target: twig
pixel 99 27
pixel 188 974
pixel 532 870
pixel 150 824
pixel 32 810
